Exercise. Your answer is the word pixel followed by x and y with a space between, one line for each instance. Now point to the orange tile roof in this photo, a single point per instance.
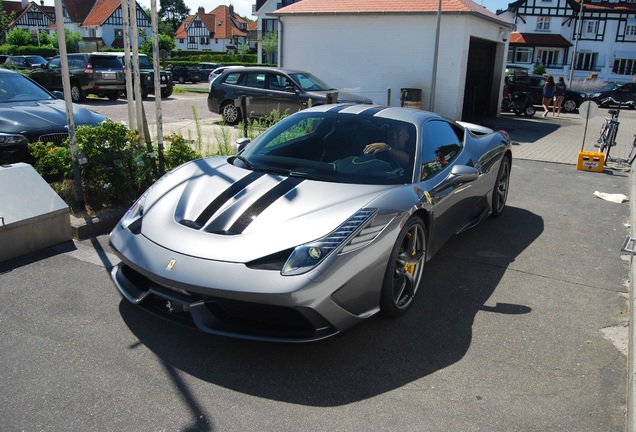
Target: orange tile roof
pixel 182 31
pixel 539 39
pixel 225 28
pixel 606 6
pixel 100 12
pixel 382 6
pixel 78 10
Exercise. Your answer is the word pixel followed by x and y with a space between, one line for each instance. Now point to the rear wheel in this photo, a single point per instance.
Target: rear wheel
pixel 404 272
pixel 500 191
pixel 230 113
pixel 113 95
pixel 77 94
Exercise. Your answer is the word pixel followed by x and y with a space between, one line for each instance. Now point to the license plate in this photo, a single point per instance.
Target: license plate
pixel 109 75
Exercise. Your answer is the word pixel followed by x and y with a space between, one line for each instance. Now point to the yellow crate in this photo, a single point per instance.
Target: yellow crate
pixel 591 161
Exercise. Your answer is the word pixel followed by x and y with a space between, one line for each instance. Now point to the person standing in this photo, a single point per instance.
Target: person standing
pixel 559 95
pixel 548 94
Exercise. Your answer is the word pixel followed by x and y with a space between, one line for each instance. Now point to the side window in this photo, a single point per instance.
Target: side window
pixel 254 80
pixel 232 78
pixel 278 82
pixel 441 145
pixel 55 63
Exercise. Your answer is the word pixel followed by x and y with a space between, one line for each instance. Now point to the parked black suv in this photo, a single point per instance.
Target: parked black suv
pixel 533 84
pixel 147 77
pixel 186 74
pixel 268 89
pixel 99 74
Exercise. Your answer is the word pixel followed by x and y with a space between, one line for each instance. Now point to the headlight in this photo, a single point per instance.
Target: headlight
pixel 135 213
pixel 306 257
pixel 595 95
pixel 12 139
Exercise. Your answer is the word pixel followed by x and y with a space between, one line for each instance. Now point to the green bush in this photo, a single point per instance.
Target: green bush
pixel 539 70
pixel 179 151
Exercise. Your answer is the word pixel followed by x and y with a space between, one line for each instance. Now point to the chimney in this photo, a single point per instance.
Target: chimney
pixel 25 3
pixel 231 8
pixel 201 10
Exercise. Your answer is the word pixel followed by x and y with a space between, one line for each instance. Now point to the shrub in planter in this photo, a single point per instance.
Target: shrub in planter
pixel 179 151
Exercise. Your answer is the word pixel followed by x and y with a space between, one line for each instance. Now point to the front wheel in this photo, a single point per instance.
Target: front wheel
pixel 500 191
pixel 230 113
pixel 404 271
pixel 166 91
pixel 530 111
pixel 569 105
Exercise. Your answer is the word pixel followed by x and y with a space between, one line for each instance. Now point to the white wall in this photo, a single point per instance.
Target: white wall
pixel 374 53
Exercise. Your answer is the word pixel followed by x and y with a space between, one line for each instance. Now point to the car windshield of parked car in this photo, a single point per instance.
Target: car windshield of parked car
pixel 144 63
pixel 308 82
pixel 15 87
pixel 334 147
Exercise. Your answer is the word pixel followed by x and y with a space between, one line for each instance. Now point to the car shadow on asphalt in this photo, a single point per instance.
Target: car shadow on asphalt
pixel 378 356
pixel 532 129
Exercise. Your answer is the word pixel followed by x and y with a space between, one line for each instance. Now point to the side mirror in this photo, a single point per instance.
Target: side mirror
pixel 58 94
pixel 290 89
pixel 459 174
pixel 241 143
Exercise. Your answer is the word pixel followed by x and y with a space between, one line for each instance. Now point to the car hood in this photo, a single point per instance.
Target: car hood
pixel 31 116
pixel 213 210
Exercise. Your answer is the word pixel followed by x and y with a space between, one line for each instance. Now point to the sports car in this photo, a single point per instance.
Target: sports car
pixel 324 220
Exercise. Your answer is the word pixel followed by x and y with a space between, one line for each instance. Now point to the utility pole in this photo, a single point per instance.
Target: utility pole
pixel 579 25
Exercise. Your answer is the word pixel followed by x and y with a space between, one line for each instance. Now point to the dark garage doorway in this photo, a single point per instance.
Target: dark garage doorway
pixel 477 94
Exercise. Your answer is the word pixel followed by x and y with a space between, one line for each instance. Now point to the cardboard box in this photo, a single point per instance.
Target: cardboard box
pixel 591 161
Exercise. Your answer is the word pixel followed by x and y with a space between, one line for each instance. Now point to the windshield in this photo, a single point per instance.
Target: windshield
pixel 145 63
pixel 331 147
pixel 308 82
pixel 16 87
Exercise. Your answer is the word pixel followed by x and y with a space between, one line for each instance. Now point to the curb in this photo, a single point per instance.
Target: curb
pixel 91 226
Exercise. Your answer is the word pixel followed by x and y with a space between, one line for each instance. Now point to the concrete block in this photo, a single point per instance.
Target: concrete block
pixel 32 215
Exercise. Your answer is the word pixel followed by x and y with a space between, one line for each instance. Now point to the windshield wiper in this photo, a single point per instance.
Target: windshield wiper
pixel 312 176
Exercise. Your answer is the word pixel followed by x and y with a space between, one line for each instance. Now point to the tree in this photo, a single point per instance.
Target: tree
pixel 72 37
pixel 269 43
pixel 5 19
pixel 19 37
pixel 165 42
pixel 173 12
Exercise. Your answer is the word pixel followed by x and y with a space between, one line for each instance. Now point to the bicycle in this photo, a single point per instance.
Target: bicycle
pixel 609 129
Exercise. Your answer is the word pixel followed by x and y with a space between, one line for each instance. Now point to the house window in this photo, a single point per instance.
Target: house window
pixel 630 29
pixel 119 32
pixel 543 23
pixel 590 28
pixel 191 39
pixel 181 40
pixel 548 58
pixel 204 40
pixel 585 61
pixel 523 55
pixel 624 66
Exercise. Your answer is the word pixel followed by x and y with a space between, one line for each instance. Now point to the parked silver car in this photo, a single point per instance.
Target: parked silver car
pixel 326 219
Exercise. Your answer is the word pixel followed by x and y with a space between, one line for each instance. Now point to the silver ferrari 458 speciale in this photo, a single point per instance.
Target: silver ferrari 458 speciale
pixel 321 222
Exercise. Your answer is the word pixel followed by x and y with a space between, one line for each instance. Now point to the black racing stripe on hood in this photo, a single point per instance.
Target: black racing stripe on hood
pixel 226 195
pixel 338 108
pixel 263 202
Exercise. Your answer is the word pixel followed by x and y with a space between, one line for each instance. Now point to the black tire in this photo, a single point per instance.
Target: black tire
pixel 166 91
pixel 530 111
pixel 569 105
pixel 231 113
pixel 144 92
pixel 404 271
pixel 113 96
pixel 77 94
pixel 500 190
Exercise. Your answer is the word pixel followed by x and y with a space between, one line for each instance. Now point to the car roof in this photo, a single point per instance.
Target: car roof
pixel 266 69
pixel 410 115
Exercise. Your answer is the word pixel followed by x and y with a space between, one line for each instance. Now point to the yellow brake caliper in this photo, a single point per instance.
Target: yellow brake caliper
pixel 410 267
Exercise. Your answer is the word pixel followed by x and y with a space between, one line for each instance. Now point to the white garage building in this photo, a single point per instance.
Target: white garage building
pixel 378 47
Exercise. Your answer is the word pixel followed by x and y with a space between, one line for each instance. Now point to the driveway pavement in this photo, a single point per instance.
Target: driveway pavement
pixel 522 325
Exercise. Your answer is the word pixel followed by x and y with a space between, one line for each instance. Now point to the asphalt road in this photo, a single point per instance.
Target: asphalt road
pixel 511 331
